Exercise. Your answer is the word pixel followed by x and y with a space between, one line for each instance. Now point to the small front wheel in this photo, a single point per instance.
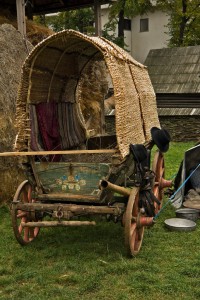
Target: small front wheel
pixel 23 234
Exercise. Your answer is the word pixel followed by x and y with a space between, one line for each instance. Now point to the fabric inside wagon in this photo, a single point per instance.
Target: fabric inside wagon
pixel 71 132
pixel 54 127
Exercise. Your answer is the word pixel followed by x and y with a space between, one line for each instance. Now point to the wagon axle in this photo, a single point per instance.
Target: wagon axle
pixel 163 183
pixel 145 221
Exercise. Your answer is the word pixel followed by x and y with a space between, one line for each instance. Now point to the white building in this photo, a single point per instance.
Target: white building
pixel 143 33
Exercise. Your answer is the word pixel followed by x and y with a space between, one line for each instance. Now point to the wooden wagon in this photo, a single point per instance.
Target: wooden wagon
pixel 74 167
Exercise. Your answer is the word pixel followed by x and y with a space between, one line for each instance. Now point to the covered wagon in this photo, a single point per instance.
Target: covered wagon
pixel 74 167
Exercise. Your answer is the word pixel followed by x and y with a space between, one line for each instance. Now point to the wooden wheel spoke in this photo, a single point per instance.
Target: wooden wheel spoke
pixel 29 194
pixel 135 241
pixel 20 228
pixel 162 172
pixel 135 211
pixel 21 214
pixel 132 228
pixel 26 234
pixel 24 196
pixel 36 231
pixel 31 234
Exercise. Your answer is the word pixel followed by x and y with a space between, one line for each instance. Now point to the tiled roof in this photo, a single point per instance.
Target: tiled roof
pixel 175 70
pixel 178 111
pixel 170 112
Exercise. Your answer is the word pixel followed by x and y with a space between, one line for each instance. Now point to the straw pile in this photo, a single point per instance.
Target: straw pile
pixel 94 87
pixel 13 53
pixel 35 32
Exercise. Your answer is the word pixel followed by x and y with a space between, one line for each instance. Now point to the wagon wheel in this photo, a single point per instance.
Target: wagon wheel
pixel 133 232
pixel 24 235
pixel 158 168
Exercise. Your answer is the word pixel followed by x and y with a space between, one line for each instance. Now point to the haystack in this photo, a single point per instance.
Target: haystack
pixel 35 33
pixel 94 87
pixel 13 53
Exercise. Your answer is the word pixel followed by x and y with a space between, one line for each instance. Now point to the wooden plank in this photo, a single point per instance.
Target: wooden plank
pixel 63 152
pixel 21 22
pixel 57 223
pixel 97 12
pixel 74 208
pixel 72 178
pixel 66 197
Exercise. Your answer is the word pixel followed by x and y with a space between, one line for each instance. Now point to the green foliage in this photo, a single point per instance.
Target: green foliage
pixel 119 10
pixel 81 20
pixel 131 7
pixel 184 21
pixel 109 32
pixel 91 263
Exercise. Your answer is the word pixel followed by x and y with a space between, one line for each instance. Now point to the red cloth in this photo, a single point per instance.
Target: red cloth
pixel 49 127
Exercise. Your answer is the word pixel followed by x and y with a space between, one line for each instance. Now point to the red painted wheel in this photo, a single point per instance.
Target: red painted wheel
pixel 24 235
pixel 158 168
pixel 133 232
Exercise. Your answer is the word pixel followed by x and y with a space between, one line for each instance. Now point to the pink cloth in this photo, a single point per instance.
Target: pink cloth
pixel 49 127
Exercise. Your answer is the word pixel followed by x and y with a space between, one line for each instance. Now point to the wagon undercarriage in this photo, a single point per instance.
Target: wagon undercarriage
pixel 33 207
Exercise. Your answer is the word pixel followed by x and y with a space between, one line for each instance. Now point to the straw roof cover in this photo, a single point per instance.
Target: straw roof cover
pixel 52 72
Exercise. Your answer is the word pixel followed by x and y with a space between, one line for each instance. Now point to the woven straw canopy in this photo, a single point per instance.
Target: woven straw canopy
pixel 52 73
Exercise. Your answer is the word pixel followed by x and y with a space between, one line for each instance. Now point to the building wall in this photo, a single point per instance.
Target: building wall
pixel 155 38
pixel 140 43
pixel 181 128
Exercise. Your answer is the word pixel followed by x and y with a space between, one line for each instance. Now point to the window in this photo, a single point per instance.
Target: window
pixel 144 25
pixel 127 24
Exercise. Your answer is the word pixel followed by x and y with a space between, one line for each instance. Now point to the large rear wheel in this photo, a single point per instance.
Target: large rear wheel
pixel 133 231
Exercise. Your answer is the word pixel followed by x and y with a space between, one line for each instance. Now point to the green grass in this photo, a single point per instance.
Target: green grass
pixel 91 263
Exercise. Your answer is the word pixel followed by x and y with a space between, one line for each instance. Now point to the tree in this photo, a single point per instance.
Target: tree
pixel 184 21
pixel 81 20
pixel 119 10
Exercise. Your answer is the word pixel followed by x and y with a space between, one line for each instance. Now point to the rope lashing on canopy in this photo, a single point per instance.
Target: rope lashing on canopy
pixel 172 197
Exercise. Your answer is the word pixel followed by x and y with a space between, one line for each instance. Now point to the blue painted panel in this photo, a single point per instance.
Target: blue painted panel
pixel 76 178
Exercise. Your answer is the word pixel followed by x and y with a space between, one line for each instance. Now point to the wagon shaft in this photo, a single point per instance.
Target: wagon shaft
pixel 115 188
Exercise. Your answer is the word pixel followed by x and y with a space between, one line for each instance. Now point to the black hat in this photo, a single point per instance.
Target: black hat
pixel 161 138
pixel 139 152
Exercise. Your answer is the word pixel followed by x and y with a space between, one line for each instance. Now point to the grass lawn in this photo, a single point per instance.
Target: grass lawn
pixel 91 263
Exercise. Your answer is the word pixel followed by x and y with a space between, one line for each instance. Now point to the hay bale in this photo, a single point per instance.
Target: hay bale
pixel 13 53
pixel 35 33
pixel 94 87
